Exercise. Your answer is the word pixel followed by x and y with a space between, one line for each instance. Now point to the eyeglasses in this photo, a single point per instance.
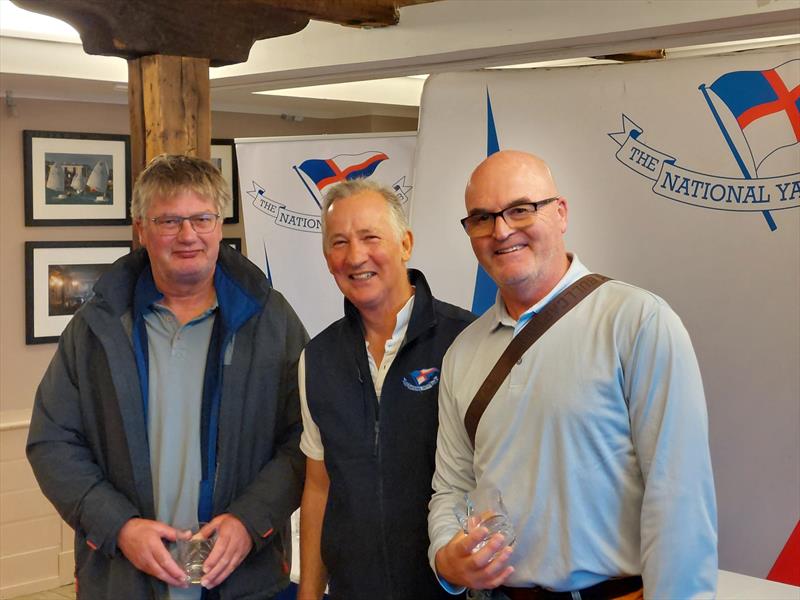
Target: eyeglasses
pixel 171 224
pixel 516 216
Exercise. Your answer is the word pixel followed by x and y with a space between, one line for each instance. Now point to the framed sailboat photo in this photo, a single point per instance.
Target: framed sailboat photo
pixel 76 178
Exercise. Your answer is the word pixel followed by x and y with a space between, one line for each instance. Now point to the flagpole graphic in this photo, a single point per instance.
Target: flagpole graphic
pixel 764 114
pixel 313 195
pixel 767 215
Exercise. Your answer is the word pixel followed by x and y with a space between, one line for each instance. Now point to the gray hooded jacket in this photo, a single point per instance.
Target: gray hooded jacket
pixel 88 436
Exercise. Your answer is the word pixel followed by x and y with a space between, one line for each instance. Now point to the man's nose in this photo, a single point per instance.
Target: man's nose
pixel 186 231
pixel 356 253
pixel 501 229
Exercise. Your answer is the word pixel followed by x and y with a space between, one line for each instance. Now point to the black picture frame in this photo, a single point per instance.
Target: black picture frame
pixel 76 179
pixel 58 280
pixel 223 155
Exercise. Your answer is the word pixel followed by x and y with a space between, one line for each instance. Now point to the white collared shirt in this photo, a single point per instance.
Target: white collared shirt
pixel 311 440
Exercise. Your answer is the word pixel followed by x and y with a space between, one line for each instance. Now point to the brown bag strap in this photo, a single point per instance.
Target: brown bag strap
pixel 532 331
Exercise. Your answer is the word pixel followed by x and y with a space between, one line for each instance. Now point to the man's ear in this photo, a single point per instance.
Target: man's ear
pixel 137 232
pixel 563 213
pixel 407 244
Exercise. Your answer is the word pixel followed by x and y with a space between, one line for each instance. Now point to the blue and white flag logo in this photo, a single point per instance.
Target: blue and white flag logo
pixel 319 174
pixel 422 379
pixel 758 113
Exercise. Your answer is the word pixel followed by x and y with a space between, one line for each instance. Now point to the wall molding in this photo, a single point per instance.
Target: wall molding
pixel 15 419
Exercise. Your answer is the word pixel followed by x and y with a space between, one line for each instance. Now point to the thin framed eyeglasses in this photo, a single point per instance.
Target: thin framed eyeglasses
pixel 516 216
pixel 171 224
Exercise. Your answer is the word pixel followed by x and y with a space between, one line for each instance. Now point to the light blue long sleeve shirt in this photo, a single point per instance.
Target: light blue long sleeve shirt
pixel 598 440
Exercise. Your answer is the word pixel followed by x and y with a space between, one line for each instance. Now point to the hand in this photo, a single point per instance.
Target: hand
pixel 142 543
pixel 457 563
pixel 232 546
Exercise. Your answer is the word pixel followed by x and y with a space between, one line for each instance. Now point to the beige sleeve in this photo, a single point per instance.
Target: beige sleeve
pixel 310 441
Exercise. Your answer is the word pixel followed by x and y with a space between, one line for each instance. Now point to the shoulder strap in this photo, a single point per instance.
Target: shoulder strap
pixel 533 330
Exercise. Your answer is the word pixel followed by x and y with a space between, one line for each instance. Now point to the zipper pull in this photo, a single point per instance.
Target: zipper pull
pixel 377 437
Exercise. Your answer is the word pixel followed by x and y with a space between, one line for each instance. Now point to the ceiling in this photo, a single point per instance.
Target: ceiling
pixel 381 71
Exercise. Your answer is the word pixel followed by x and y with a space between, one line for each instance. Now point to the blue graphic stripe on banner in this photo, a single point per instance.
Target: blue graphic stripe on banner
pixel 485 289
pixel 492 145
pixel 485 292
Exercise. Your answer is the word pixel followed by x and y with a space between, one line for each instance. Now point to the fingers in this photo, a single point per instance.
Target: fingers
pixel 153 557
pixel 491 582
pixel 469 542
pixel 489 552
pixel 207 530
pixel 460 562
pixel 231 547
pixel 492 562
pixel 164 531
pixel 216 555
pixel 141 541
pixel 163 566
pixel 223 566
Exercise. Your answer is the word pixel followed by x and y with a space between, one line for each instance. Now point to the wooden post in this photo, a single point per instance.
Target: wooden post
pixel 170 109
pixel 170 105
pixel 136 116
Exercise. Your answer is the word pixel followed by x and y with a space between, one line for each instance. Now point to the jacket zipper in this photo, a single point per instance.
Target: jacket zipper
pixel 376 428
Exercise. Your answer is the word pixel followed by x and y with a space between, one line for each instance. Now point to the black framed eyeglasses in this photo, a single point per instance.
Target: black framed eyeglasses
pixel 171 224
pixel 516 216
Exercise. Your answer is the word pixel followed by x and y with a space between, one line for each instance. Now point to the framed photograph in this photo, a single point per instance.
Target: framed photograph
pixel 59 277
pixel 76 178
pixel 233 242
pixel 223 155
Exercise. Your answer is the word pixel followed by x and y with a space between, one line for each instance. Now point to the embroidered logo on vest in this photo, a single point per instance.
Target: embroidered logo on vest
pixel 421 380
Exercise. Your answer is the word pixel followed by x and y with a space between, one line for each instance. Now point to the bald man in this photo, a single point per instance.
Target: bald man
pixel 598 437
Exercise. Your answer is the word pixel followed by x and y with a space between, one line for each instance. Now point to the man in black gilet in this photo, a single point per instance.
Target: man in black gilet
pixel 369 387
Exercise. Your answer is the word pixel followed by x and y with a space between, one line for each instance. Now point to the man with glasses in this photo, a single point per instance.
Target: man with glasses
pixel 172 402
pixel 598 436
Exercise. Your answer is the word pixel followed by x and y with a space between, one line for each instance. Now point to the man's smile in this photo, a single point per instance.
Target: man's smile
pixel 363 276
pixel 510 249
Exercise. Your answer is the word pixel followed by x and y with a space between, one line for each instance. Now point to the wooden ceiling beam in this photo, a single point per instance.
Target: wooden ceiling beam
pixel 221 30
pixel 355 13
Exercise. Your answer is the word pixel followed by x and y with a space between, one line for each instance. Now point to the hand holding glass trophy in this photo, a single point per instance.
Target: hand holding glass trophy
pixel 483 507
pixel 191 551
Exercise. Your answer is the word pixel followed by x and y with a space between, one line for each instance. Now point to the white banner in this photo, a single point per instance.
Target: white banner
pixel 282 182
pixel 682 178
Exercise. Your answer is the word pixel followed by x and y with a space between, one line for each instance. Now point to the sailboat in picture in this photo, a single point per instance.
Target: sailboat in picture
pixel 98 180
pixel 55 180
pixel 78 183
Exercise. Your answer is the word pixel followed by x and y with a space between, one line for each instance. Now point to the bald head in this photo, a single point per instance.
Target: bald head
pixel 524 255
pixel 508 165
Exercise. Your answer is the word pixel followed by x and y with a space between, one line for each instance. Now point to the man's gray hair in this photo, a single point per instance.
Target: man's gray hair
pixel 351 187
pixel 168 175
